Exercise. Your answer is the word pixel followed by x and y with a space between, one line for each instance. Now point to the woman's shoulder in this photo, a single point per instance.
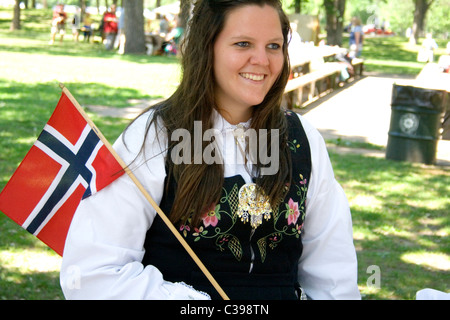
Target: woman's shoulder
pixel 308 127
pixel 142 133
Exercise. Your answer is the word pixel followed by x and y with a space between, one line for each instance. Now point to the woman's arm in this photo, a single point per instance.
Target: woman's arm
pixel 105 245
pixel 328 265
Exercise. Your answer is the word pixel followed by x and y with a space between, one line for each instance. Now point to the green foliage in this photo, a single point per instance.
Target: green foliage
pixel 438 19
pixel 399 22
pixel 366 10
pixel 399 13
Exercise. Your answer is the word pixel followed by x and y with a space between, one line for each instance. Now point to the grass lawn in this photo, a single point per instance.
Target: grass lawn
pixel 394 55
pixel 401 224
pixel 400 210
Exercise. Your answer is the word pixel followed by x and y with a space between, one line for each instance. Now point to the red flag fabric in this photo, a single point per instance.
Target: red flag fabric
pixel 66 164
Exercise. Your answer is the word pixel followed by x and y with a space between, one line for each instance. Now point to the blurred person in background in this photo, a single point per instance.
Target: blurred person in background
pixel 110 27
pixel 58 23
pixel 356 38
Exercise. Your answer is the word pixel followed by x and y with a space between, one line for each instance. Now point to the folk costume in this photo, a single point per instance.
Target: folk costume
pixel 120 248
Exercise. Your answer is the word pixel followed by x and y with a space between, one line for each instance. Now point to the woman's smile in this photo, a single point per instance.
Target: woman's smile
pixel 253 76
pixel 248 59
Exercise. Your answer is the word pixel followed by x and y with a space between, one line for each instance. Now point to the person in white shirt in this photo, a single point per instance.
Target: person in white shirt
pixel 429 45
pixel 250 187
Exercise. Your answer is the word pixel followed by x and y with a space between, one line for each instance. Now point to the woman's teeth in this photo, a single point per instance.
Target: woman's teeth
pixel 253 77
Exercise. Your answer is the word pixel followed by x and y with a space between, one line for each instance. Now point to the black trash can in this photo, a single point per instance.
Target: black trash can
pixel 416 121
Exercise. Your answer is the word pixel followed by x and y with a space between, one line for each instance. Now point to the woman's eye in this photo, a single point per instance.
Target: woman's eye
pixel 242 44
pixel 274 46
pixel 246 44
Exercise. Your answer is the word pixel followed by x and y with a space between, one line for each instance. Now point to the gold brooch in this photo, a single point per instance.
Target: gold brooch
pixel 253 205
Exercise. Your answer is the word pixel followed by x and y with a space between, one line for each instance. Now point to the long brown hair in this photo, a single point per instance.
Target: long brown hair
pixel 200 185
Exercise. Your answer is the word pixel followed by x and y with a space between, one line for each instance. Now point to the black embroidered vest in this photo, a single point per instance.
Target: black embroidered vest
pixel 247 263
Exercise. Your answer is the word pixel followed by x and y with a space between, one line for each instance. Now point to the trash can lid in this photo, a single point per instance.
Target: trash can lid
pixel 411 94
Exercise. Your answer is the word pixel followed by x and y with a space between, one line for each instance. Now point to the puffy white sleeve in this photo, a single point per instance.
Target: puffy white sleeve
pixel 328 265
pixel 104 248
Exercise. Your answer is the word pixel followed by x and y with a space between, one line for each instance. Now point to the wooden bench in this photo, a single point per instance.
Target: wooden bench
pixel 358 66
pixel 326 74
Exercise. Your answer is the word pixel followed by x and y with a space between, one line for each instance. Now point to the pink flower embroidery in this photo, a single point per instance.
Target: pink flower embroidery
pixel 293 212
pixel 210 218
pixel 302 180
pixel 185 229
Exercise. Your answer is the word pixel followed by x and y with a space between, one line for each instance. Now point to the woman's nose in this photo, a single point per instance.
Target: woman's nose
pixel 260 57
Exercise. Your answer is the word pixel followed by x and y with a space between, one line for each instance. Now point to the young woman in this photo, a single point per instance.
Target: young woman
pixel 248 186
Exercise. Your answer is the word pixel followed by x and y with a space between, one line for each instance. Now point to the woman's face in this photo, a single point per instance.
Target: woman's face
pixel 248 58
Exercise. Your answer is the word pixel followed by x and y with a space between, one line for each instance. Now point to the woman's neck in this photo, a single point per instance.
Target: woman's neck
pixel 235 116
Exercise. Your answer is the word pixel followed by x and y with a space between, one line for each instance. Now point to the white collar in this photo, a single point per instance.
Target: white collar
pixel 221 124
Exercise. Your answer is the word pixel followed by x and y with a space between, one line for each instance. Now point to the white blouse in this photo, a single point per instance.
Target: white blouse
pixel 105 245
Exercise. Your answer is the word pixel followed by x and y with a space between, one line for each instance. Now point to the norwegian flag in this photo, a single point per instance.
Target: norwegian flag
pixel 66 164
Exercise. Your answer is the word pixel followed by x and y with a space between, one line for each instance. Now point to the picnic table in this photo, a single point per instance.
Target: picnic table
pixel 432 77
pixel 316 70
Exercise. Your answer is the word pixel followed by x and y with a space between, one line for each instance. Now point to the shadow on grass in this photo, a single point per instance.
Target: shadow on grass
pixel 16 285
pixel 389 54
pixel 23 102
pixel 34 37
pixel 26 108
pixel 399 210
pixel 17 281
pixel 36 43
pixel 377 47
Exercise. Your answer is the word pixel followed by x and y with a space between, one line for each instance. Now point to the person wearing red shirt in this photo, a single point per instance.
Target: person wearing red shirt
pixel 110 27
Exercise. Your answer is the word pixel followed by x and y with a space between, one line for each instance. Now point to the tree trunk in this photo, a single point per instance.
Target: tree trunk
pixel 420 12
pixel 82 5
pixel 335 10
pixel 15 23
pixel 297 6
pixel 134 26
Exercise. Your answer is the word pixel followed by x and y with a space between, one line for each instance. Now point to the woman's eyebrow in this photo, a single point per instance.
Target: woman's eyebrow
pixel 244 37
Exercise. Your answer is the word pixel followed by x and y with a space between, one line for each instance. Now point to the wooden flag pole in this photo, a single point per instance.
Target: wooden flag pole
pixel 147 196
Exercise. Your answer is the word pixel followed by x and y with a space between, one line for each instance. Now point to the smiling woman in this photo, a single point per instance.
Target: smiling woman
pixel 262 234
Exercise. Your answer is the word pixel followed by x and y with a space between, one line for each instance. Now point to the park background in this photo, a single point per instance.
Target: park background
pixel 399 209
